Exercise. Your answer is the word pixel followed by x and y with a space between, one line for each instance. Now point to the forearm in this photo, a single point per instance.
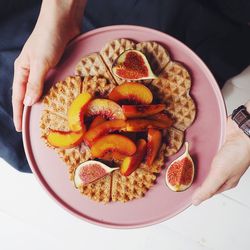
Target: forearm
pixel 63 14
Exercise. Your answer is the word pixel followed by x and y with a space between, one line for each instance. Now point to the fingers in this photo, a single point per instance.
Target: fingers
pixel 216 182
pixel 38 71
pixel 231 183
pixel 21 74
pixel 210 186
pixel 27 86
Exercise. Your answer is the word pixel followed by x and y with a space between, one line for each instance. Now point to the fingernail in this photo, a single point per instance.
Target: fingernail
pixel 27 101
pixel 196 202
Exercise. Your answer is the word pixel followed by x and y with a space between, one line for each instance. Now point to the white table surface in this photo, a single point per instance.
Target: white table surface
pixel 30 219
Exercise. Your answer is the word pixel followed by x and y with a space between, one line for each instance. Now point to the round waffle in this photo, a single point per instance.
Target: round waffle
pixel 94 75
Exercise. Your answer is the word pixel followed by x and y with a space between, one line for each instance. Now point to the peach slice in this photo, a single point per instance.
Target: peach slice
pixel 131 163
pixel 133 92
pixel 113 156
pixel 104 128
pixel 132 65
pixel 140 125
pixel 76 111
pixel 113 143
pixel 135 111
pixel 62 139
pixel 97 121
pixel 105 108
pixel 161 117
pixel 153 145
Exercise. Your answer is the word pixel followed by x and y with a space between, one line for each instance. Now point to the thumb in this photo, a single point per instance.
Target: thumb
pixel 211 185
pixel 38 71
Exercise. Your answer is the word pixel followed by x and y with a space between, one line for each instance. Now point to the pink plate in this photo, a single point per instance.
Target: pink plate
pixel 205 137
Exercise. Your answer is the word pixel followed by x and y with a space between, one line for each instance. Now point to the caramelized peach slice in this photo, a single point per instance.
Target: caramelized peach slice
pixel 105 108
pixel 113 156
pixel 113 143
pixel 131 163
pixel 153 145
pixel 62 139
pixel 76 112
pixel 162 117
pixel 135 111
pixel 140 125
pixel 104 128
pixel 133 92
pixel 97 121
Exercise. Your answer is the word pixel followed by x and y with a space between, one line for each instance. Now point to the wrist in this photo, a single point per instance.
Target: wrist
pixel 62 17
pixel 233 130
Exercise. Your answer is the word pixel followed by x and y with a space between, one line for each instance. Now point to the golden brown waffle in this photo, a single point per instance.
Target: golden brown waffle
pixel 62 94
pixel 74 156
pixel 50 120
pixel 93 65
pixel 95 77
pixel 172 87
pixel 157 55
pixel 126 188
pixel 98 87
pixel 175 139
pixel 99 190
pixel 112 50
pixel 55 117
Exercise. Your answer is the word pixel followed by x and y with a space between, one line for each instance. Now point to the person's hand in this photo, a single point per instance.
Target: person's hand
pixel 228 165
pixel 57 24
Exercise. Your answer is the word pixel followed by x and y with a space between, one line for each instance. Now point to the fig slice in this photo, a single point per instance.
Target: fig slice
pixel 90 171
pixel 180 173
pixel 132 65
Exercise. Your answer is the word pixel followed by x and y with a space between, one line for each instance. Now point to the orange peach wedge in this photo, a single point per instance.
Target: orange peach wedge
pixel 105 108
pixel 131 163
pixel 153 145
pixel 161 117
pixel 113 143
pixel 97 121
pixel 140 125
pixel 137 111
pixel 62 139
pixel 113 156
pixel 104 128
pixel 133 92
pixel 76 112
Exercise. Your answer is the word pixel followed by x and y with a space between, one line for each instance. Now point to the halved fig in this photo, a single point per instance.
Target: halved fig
pixel 106 108
pixel 112 143
pixel 90 171
pixel 62 139
pixel 131 163
pixel 153 145
pixel 132 65
pixel 140 125
pixel 97 121
pixel 133 92
pixel 76 111
pixel 137 111
pixel 104 128
pixel 180 173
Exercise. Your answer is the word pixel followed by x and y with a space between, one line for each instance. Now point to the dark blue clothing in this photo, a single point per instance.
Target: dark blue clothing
pixel 216 30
